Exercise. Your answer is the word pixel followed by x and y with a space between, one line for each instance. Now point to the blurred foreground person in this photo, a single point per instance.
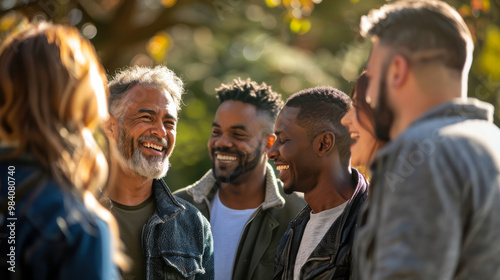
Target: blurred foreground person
pixel 359 120
pixel 52 95
pixel 312 153
pixel 434 203
pixel 241 196
pixel 166 237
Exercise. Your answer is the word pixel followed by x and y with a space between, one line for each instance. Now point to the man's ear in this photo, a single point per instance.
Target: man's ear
pixel 111 127
pixel 324 143
pixel 398 71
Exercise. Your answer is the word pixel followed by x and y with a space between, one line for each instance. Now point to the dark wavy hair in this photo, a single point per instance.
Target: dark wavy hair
pixel 358 96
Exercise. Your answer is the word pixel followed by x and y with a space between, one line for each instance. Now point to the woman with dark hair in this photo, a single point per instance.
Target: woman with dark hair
pixel 53 95
pixel 359 120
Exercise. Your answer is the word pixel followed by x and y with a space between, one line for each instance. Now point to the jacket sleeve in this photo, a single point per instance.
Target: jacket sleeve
pixel 208 252
pixel 420 230
pixel 88 254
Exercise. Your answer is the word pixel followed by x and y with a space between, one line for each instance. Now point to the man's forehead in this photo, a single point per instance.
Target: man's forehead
pixel 147 98
pixel 286 117
pixel 237 113
pixel 139 93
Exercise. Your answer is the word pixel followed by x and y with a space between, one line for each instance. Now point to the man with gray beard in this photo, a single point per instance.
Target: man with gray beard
pixel 164 236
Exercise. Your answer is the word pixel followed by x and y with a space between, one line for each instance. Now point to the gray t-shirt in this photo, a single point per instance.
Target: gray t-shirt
pixel 315 230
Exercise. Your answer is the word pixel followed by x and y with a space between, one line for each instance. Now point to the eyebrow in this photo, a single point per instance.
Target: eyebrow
pixel 242 127
pixel 152 112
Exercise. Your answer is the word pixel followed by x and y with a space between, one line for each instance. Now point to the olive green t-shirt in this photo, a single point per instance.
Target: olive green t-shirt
pixel 131 220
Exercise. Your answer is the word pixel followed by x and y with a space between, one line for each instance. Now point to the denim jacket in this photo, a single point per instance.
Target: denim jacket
pixel 177 241
pixel 332 258
pixel 54 235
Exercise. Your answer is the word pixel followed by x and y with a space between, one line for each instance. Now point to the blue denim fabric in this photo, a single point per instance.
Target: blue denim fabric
pixel 177 239
pixel 56 237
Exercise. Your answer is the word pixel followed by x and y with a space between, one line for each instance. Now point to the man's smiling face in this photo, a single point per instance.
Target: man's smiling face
pixel 236 144
pixel 293 153
pixel 147 130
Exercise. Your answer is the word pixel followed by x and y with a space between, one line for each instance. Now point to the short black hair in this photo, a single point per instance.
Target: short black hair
pixel 422 25
pixel 321 109
pixel 261 96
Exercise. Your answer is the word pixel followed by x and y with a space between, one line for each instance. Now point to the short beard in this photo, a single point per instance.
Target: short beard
pixel 153 167
pixel 242 168
pixel 383 113
pixel 288 190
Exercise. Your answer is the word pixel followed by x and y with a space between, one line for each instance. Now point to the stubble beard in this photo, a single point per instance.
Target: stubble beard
pixel 383 113
pixel 243 167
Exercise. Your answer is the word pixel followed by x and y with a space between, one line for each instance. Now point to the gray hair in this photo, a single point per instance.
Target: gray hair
pixel 159 77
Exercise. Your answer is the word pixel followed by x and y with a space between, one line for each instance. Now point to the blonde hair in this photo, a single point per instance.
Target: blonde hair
pixel 52 97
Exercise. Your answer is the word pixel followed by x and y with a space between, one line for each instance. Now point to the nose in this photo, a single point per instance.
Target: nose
pixel 159 129
pixel 347 118
pixel 223 141
pixel 273 152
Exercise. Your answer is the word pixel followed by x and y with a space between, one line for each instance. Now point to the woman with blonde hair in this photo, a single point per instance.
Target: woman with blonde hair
pixel 52 97
pixel 361 124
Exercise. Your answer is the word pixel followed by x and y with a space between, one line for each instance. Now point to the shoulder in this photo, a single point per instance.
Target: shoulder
pixel 57 212
pixel 184 194
pixel 55 224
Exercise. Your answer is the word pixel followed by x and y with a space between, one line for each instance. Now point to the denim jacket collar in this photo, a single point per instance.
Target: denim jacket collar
pixel 167 205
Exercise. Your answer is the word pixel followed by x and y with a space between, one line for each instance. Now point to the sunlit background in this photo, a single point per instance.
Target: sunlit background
pixel 289 44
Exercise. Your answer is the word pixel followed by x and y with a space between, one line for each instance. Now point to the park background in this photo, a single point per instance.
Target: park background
pixel 288 44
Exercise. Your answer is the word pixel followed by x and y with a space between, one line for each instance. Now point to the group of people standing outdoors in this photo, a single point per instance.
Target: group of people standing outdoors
pixel 399 180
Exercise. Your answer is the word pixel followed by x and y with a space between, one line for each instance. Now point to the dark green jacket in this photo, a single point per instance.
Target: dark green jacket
pixel 260 237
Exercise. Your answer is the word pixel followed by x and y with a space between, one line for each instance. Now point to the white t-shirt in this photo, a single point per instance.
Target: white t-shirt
pixel 227 225
pixel 315 230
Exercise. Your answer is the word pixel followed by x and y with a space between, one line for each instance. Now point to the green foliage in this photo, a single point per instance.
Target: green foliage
pixel 289 44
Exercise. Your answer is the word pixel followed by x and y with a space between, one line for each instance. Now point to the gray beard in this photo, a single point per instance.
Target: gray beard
pixel 153 167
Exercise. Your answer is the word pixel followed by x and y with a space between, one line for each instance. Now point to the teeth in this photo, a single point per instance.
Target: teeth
pixel 226 158
pixel 354 135
pixel 282 167
pixel 156 147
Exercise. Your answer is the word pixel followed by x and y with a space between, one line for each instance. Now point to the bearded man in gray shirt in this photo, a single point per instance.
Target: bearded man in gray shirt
pixel 432 212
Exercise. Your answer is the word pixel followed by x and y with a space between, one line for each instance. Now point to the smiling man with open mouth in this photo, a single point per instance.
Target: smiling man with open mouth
pixel 165 237
pixel 312 154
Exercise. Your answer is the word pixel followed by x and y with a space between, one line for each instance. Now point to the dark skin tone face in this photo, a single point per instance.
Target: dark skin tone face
pixel 237 147
pixel 307 165
pixel 236 142
pixel 293 153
